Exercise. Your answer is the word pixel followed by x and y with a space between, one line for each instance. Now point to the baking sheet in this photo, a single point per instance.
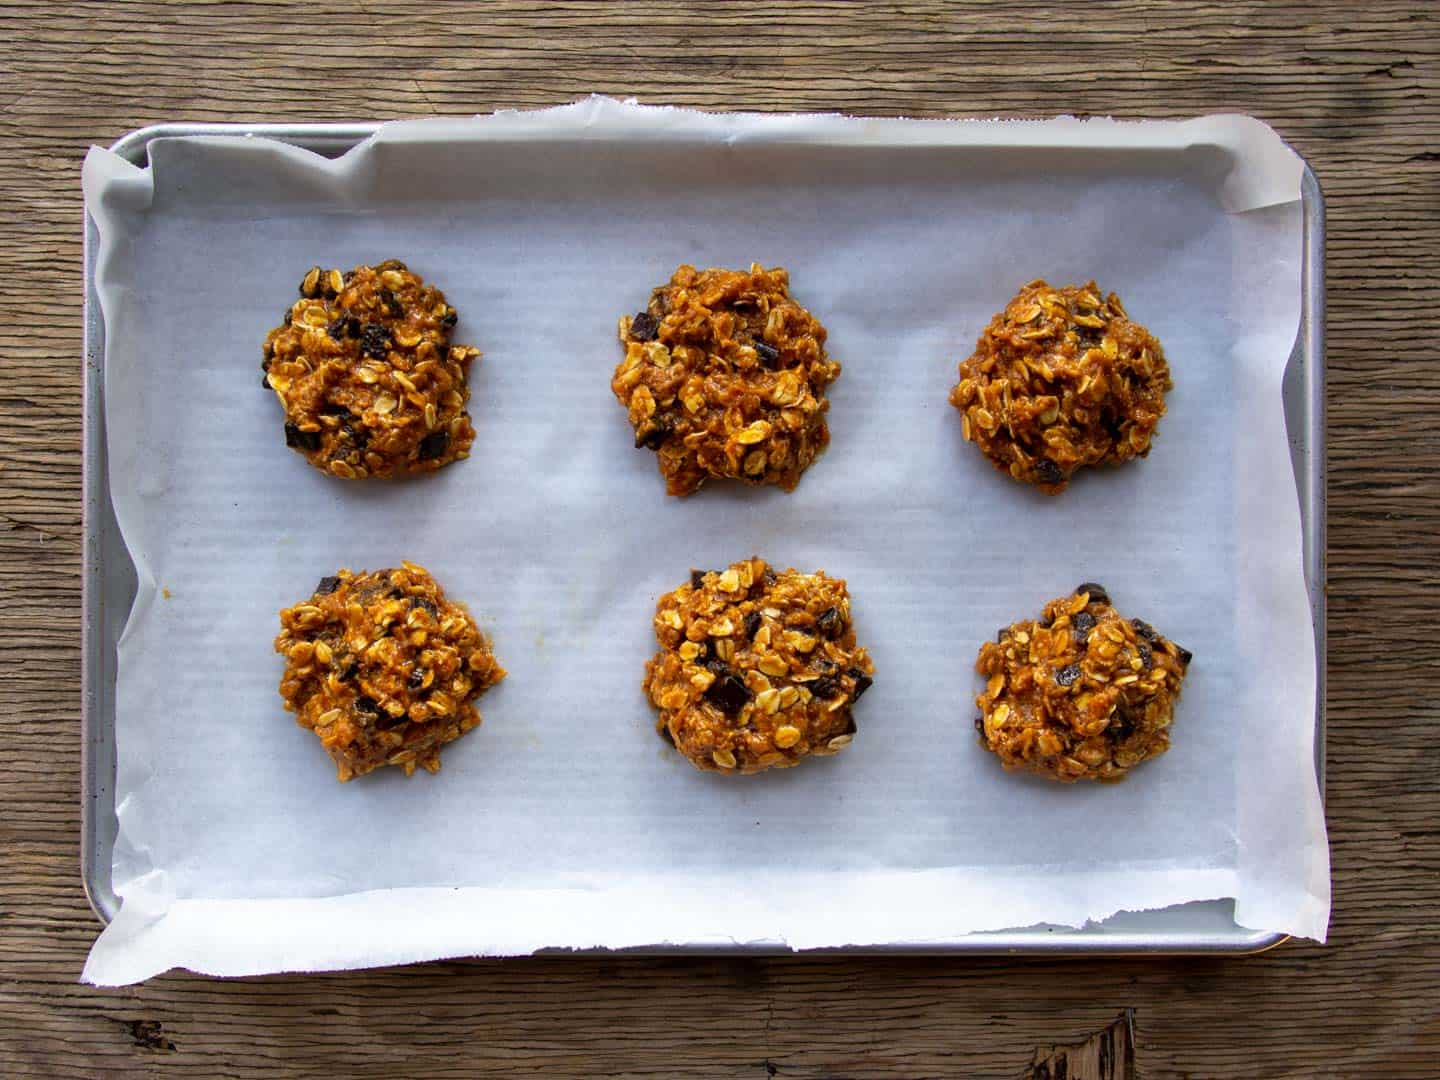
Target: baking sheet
pixel 560 821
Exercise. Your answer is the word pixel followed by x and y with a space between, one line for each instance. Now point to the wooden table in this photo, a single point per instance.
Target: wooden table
pixel 1352 86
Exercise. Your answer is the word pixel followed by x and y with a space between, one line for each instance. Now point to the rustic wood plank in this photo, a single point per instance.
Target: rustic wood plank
pixel 1354 87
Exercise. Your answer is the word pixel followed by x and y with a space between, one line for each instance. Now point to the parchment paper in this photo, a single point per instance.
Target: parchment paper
pixel 564 821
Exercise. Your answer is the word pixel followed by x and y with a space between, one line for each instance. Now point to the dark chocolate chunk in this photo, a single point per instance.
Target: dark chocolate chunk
pixel 327 586
pixel 365 704
pixel 1067 675
pixel 1121 725
pixel 417 677
pixel 1083 623
pixel 1146 659
pixel 348 671
pixel 303 440
pixel 863 682
pixel 651 434
pixel 433 445
pixel 347 326
pixel 729 693
pixel 752 624
pixel 715 665
pixel 697 578
pixel 1144 629
pixel 329 409
pixel 1047 472
pixel 375 341
pixel 830 622
pixel 450 318
pixel 826 688
pixel 769 355
pixel 644 327
pixel 1184 654
pixel 1098 595
pixel 385 720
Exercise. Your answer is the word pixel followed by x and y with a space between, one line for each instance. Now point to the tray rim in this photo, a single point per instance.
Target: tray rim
pixel 98 825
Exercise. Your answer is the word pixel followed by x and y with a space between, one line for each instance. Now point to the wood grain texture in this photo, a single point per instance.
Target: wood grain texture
pixel 1352 86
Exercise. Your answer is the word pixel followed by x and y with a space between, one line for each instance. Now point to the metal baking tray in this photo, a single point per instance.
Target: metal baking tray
pixel 109 588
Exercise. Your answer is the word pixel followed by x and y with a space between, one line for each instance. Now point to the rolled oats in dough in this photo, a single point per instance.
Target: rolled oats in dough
pixel 1061 379
pixel 383 668
pixel 1081 693
pixel 724 377
pixel 366 374
pixel 757 669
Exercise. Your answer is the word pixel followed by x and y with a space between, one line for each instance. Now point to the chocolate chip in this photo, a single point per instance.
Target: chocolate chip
pixel 697 578
pixel 348 670
pixel 417 678
pixel 651 434
pixel 729 693
pixel 715 665
pixel 347 326
pixel 1146 659
pixel 826 687
pixel 368 705
pixel 769 355
pixel 327 586
pixel 752 624
pixel 1144 629
pixel 385 720
pixel 333 410
pixel 644 327
pixel 1098 595
pixel 1067 675
pixel 433 445
pixel 863 682
pixel 375 341
pixel 830 623
pixel 1184 654
pixel 1083 623
pixel 303 440
pixel 1121 725
pixel 1047 472
pixel 450 318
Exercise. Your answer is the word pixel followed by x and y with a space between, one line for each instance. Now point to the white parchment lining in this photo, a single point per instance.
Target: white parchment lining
pixel 563 821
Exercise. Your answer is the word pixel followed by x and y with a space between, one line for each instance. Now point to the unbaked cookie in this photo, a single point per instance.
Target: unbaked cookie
pixel 1060 379
pixel 366 374
pixel 724 376
pixel 1082 694
pixel 756 669
pixel 383 668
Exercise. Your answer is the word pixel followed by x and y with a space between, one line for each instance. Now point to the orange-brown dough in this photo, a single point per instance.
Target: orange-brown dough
pixel 383 668
pixel 724 376
pixel 1061 379
pixel 1081 693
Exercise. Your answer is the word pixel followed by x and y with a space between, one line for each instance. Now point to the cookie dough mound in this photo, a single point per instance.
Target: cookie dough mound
pixel 383 668
pixel 1059 380
pixel 756 669
pixel 1082 694
pixel 724 376
pixel 366 374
